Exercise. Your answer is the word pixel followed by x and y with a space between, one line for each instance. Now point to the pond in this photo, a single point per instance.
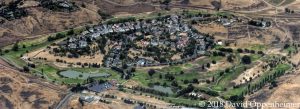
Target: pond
pixel 75 74
pixel 163 89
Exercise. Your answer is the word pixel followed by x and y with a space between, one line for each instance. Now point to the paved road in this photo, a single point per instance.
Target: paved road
pixel 65 100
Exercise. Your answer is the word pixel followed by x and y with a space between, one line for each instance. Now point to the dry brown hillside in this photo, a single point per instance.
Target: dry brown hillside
pixel 44 21
pixel 18 91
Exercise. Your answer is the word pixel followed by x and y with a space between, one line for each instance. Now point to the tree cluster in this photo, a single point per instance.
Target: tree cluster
pixel 186 90
pixel 148 90
pixel 59 5
pixel 57 36
pixel 104 15
pixel 12 11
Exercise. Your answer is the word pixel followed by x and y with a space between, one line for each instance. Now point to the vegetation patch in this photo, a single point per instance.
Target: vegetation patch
pixel 12 11
pixel 59 5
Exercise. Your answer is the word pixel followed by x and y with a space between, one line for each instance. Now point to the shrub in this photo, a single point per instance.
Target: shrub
pixel 246 59
pixel 151 72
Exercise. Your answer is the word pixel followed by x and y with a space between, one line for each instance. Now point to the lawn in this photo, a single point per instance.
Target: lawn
pixel 14 56
pixel 255 57
pixel 243 88
pixel 275 2
pixel 280 67
pixel 258 47
pixel 286 2
pixel 234 91
pixel 180 100
pixel 145 79
pixel 226 79
pixel 176 69
pixel 48 70
pixel 291 49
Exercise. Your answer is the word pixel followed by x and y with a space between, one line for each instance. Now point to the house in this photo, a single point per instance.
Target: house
pixel 91 30
pixel 72 46
pixel 224 21
pixel 95 35
pixel 264 24
pixel 154 43
pixel 182 42
pixel 219 42
pixel 140 106
pixel 96 87
pixel 72 39
pixel 62 43
pixel 65 4
pixel 141 62
pixel 137 26
pixel 145 43
pixel 83 44
pixel 87 99
pixel 84 33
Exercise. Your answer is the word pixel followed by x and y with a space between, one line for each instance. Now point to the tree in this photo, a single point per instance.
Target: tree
pixel 160 76
pixel 174 83
pixel 83 5
pixel 208 65
pixel 236 98
pixel 186 81
pixel 216 4
pixel 60 35
pixel 214 62
pixel 70 32
pixel 230 58
pixel 25 69
pixel 16 46
pixel 1 52
pixel 151 72
pixel 181 72
pixel 166 2
pixel 104 15
pixel 90 80
pixel 194 22
pixel 195 80
pixel 240 50
pixel 246 59
pixel 6 51
pixel 274 84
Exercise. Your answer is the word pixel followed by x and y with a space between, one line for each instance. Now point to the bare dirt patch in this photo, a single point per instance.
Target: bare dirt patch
pixel 217 30
pixel 44 53
pixel 243 4
pixel 131 83
pixel 295 59
pixel 250 74
pixel 219 65
pixel 137 97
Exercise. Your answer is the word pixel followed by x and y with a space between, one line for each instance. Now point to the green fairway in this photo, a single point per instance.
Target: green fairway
pixel 226 79
pixel 275 2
